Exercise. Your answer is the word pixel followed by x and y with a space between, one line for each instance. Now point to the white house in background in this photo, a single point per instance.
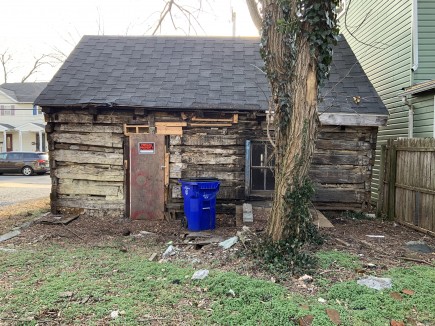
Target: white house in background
pixel 22 125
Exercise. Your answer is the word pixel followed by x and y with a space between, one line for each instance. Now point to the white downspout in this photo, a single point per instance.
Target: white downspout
pixel 411 122
pixel 410 116
pixel 414 35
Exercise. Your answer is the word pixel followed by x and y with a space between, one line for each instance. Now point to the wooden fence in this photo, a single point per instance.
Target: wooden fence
pixel 407 182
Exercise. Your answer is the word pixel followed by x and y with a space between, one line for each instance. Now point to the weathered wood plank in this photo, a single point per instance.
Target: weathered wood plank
pixel 91 203
pixel 82 117
pixel 206 140
pixel 364 136
pixel 343 144
pixel 381 185
pixel 74 156
pixel 87 148
pixel 339 175
pixel 210 159
pixel 339 195
pixel 351 158
pixel 82 127
pixel 89 172
pixel 231 193
pixel 224 176
pixel 225 150
pixel 95 139
pixel 343 119
pixel 392 179
pixel 86 187
pixel 201 170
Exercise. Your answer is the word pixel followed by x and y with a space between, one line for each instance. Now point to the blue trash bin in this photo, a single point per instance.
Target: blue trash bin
pixel 200 202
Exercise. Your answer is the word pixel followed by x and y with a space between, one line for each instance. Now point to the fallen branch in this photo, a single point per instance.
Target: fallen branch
pixel 73 232
pixel 368 244
pixel 342 242
pixel 146 320
pixel 417 260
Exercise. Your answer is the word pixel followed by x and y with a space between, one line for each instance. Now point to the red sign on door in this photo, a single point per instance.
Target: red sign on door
pixel 146 148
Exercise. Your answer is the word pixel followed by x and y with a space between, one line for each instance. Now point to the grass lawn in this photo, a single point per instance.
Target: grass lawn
pixel 84 285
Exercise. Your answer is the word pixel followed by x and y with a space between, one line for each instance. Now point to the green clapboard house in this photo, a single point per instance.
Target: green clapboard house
pixel 394 41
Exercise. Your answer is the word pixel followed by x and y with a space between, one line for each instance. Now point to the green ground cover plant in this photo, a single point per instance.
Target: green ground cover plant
pixel 83 285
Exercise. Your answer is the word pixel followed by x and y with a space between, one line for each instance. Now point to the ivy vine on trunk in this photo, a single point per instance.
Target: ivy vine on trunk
pixel 296 46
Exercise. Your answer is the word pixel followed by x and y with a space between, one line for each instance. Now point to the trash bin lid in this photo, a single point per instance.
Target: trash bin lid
pixel 198 180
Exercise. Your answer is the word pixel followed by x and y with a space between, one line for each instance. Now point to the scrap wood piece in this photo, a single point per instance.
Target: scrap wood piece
pixel 193 235
pixel 319 219
pixel 58 219
pixel 9 235
pixel 210 124
pixel 205 242
pixel 342 242
pixel 170 124
pixel 368 244
pixel 417 260
pixel 200 242
pixel 417 228
pixel 217 120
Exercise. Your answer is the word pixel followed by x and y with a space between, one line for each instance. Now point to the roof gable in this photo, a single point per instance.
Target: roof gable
pixel 22 92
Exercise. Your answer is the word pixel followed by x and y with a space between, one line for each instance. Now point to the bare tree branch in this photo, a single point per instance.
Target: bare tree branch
pixel 255 12
pixel 166 9
pixel 171 7
pixel 5 58
pixel 39 62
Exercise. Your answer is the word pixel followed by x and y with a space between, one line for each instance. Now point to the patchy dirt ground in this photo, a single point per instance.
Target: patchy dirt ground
pixel 15 215
pixel 380 245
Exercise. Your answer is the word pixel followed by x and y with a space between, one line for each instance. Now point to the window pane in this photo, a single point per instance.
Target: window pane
pixel 29 156
pixel 257 151
pixel 257 182
pixel 15 156
pixel 270 179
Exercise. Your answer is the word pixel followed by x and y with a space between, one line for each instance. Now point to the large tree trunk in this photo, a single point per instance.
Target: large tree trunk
pixel 296 84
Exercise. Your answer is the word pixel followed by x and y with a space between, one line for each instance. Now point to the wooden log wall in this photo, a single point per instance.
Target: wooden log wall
pixel 217 152
pixel 342 167
pixel 87 158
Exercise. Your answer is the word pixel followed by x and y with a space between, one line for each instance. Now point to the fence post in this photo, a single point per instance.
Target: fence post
pixel 392 180
pixel 381 196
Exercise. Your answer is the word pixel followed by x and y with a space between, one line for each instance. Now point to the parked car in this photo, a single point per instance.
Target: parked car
pixel 26 163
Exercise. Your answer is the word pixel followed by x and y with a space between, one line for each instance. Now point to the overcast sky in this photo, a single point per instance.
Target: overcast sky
pixel 30 28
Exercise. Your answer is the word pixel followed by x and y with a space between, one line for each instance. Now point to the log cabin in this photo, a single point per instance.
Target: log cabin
pixel 127 117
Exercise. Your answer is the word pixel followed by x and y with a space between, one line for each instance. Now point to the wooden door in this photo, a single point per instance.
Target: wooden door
pixel 146 162
pixel 9 147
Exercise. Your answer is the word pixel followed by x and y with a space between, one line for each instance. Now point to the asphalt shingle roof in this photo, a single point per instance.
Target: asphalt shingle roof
pixel 7 126
pixel 23 92
pixel 346 81
pixel 189 73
